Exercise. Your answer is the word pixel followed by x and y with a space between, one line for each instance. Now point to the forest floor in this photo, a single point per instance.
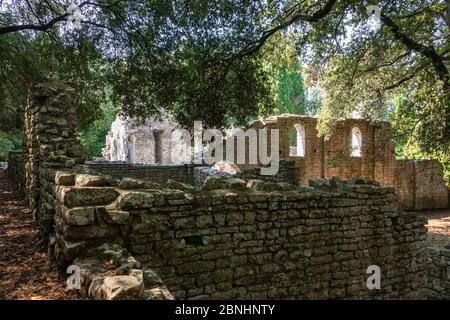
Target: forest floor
pixel 24 273
pixel 438 227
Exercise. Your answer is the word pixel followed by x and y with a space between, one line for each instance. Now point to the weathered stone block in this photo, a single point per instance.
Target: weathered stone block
pixel 87 196
pixel 131 183
pixel 80 216
pixel 88 180
pixel 135 200
pixel 64 178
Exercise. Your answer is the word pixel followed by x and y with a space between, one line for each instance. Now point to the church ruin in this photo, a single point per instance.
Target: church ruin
pixel 191 232
pixel 357 148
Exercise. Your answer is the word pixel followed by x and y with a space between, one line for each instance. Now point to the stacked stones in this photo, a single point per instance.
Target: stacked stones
pixel 109 272
pixel 287 173
pixel 50 142
pixel 156 172
pixel 438 281
pixel 234 239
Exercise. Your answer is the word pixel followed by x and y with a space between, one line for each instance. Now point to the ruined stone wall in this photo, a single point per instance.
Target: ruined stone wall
pixel 438 280
pixel 419 184
pixel 230 239
pixel 326 159
pixel 157 173
pixel 234 240
pixel 50 142
pixel 287 173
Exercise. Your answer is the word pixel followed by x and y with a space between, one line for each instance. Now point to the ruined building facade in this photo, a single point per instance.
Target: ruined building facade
pixel 148 142
pixel 357 148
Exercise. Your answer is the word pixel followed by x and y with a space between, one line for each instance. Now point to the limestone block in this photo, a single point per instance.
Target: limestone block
pixel 214 183
pixel 80 216
pixel 135 200
pixel 64 178
pixel 117 216
pixel 129 287
pixel 130 183
pixel 236 184
pixel 158 293
pixel 87 196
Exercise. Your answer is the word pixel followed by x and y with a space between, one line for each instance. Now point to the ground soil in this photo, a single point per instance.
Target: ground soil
pixel 24 273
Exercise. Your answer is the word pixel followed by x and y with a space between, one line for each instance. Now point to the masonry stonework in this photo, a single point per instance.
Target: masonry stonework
pixel 228 238
pixel 421 180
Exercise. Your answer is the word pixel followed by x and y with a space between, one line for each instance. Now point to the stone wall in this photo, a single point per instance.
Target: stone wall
pixel 234 240
pixel 326 159
pixel 50 143
pixel 157 173
pixel 438 280
pixel 419 184
pixel 287 173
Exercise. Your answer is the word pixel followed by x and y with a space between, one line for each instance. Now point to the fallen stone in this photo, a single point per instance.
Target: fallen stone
pixel 226 166
pixel 175 185
pixel 236 184
pixel 129 287
pixel 87 180
pixel 80 216
pixel 130 183
pixel 213 183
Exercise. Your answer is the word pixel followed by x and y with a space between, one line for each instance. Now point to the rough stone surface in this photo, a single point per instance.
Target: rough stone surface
pixel 272 239
pixel 130 183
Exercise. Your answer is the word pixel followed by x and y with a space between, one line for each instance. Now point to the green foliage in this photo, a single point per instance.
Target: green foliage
pixel 223 61
pixel 9 142
pixel 93 137
pixel 410 127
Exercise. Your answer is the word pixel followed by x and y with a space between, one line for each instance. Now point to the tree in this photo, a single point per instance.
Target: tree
pixel 204 59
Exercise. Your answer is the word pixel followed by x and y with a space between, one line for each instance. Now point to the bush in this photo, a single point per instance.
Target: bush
pixel 9 142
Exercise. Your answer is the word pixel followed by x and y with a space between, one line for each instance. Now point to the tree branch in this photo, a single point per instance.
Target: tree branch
pixel 298 16
pixel 429 52
pixel 52 22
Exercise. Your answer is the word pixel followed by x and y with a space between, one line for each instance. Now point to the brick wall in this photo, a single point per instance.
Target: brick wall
pixel 438 280
pixel 419 184
pixel 325 159
pixel 157 173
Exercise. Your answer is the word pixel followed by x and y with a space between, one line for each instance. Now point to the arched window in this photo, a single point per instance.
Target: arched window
pixel 297 145
pixel 356 143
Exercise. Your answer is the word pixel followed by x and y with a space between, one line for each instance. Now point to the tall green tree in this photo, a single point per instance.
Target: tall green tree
pixel 290 94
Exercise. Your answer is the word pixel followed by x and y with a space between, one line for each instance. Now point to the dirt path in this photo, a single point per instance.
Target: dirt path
pixel 23 272
pixel 438 227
